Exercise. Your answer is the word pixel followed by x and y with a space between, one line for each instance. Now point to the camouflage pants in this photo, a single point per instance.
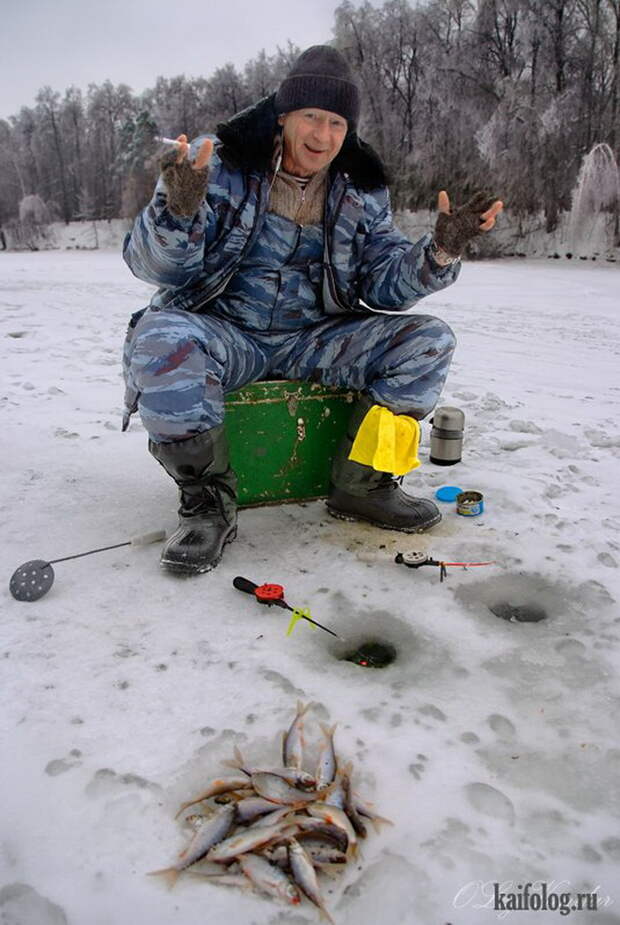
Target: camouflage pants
pixel 178 366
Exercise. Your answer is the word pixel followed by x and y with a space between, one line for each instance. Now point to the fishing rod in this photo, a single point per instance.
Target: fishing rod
pixel 417 559
pixel 272 595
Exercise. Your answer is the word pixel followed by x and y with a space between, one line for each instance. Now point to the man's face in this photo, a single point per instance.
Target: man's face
pixel 312 139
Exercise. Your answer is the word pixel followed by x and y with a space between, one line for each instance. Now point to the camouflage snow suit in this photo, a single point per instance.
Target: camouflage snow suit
pixel 246 294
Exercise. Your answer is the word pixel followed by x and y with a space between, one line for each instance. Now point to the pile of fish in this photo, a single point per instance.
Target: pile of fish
pixel 275 829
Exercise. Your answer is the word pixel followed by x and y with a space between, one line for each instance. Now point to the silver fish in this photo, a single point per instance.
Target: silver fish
pixel 366 810
pixel 337 817
pixel 296 776
pixel 239 880
pixel 305 876
pixel 252 807
pixel 293 742
pixel 269 878
pixel 248 840
pixel 320 852
pixel 195 820
pixel 234 796
pixel 336 797
pixel 326 767
pixel 276 789
pixel 314 826
pixel 217 786
pixel 349 802
pixel 211 831
pixel 274 816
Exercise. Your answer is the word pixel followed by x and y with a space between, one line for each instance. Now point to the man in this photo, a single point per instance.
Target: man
pixel 276 256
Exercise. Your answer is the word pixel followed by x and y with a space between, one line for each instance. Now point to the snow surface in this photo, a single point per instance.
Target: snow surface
pixel 492 745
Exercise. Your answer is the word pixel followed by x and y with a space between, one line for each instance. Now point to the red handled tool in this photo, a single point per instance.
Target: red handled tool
pixel 273 595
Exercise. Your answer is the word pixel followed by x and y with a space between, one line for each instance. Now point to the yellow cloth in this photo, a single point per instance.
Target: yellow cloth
pixel 388 442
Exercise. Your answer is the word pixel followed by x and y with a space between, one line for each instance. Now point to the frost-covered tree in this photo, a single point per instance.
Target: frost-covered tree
pixel 33 211
pixel 458 94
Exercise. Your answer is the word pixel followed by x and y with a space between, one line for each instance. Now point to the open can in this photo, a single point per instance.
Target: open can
pixel 470 503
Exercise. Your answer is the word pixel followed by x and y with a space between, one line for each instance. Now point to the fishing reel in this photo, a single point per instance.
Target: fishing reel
pixel 271 595
pixel 414 559
pixel 417 559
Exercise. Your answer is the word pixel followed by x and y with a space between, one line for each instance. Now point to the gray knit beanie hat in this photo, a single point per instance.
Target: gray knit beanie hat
pixel 320 77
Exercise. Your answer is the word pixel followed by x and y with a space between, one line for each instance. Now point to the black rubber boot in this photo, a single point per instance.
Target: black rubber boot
pixel 208 511
pixel 359 492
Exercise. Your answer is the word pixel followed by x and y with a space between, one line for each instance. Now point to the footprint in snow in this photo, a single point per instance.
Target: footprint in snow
pixel 489 801
pixel 434 712
pixel 570 648
pixel 470 738
pixel 590 854
pixel 466 396
pixel 417 768
pixel 283 683
pixel 611 846
pixel 511 445
pixel 107 782
pixel 600 439
pixel 61 765
pixel 501 726
pixel 21 904
pixel 525 427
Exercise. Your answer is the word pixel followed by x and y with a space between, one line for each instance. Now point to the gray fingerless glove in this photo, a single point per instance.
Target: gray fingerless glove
pixel 456 229
pixel 186 186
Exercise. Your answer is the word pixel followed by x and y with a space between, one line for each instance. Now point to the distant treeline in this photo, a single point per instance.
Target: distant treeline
pixel 458 94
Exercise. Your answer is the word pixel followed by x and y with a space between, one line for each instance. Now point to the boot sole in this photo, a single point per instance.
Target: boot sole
pixel 354 518
pixel 179 568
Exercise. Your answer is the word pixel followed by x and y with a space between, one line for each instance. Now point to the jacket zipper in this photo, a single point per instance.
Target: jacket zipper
pixel 328 267
pixel 302 190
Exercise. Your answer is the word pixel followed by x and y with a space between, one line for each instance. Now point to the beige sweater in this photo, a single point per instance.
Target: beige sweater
pixel 302 202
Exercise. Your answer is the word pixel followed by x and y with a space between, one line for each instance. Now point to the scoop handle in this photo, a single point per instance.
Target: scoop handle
pixel 145 539
pixel 244 584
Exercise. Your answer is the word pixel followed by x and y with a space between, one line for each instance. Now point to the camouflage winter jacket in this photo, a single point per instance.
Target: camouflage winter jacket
pixel 367 263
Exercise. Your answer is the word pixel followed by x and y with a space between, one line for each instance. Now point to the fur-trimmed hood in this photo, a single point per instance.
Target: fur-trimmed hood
pixel 247 144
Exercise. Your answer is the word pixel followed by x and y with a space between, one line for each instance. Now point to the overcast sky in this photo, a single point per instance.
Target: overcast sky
pixel 79 42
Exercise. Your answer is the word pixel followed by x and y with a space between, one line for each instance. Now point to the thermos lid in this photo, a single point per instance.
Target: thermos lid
pixel 448 418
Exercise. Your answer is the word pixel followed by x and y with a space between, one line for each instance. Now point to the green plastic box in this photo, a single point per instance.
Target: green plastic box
pixel 283 436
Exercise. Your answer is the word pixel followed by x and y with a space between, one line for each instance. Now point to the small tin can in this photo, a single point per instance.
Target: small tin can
pixel 470 503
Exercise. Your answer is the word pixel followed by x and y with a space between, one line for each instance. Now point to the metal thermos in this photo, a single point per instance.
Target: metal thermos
pixel 447 436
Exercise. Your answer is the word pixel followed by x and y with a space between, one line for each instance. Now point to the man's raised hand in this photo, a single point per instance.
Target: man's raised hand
pixel 204 152
pixel 454 229
pixel 186 182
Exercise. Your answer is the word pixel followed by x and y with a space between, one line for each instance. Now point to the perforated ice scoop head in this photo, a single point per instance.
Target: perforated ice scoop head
pixel 32 580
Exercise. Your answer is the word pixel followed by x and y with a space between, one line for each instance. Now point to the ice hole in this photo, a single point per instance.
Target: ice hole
pixel 521 613
pixel 520 598
pixel 371 653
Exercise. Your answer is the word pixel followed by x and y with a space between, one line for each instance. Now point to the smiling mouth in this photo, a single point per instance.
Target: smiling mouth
pixel 312 150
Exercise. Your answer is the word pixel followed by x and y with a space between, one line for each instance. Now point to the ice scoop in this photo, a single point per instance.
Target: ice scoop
pixel 32 580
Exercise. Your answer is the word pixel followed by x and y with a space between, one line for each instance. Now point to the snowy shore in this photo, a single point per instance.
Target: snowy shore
pixel 492 745
pixel 514 236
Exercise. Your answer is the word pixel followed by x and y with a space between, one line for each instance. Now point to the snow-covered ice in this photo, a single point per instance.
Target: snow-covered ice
pixel 493 745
